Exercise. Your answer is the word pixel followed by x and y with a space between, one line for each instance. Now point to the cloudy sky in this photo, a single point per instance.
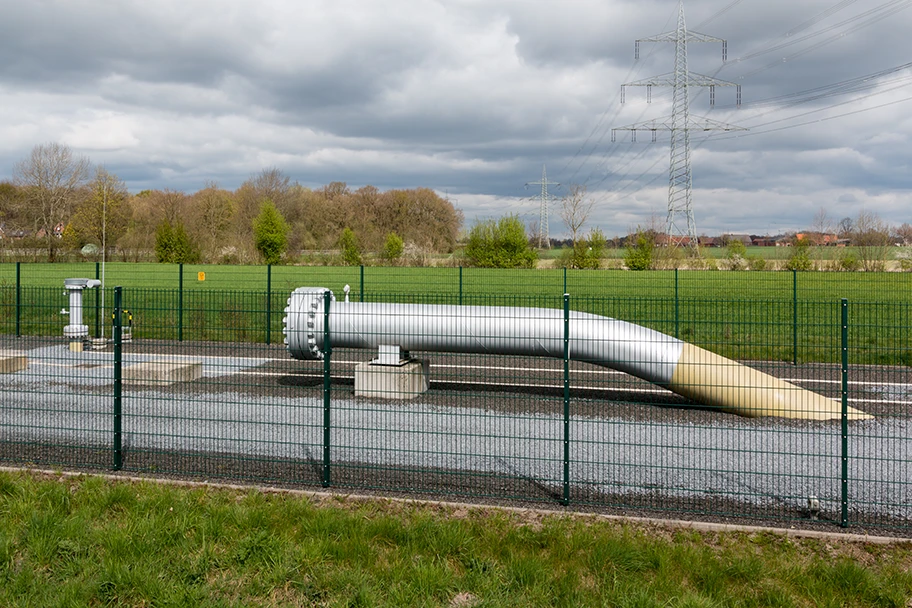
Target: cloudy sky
pixel 472 97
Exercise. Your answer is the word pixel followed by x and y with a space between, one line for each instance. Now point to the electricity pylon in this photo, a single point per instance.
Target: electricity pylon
pixel 546 199
pixel 680 230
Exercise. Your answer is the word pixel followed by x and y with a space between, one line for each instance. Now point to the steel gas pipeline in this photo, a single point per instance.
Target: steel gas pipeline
pixel 683 368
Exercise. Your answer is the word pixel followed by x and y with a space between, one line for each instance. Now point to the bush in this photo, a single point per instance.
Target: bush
pixel 586 253
pixel 639 256
pixel 500 244
pixel 736 256
pixel 800 258
pixel 393 248
pixel 756 263
pixel 904 256
pixel 848 261
pixel 351 251
pixel 173 245
pixel 270 233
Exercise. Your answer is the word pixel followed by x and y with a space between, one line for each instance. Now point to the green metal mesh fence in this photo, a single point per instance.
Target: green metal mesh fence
pixel 204 387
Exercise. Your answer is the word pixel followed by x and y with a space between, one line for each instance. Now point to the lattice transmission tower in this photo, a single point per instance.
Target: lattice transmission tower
pixel 544 238
pixel 679 223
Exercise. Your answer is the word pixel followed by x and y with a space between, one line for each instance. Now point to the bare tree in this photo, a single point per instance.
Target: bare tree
pixel 50 180
pixel 845 227
pixel 575 209
pixel 904 234
pixel 103 214
pixel 871 238
pixel 822 226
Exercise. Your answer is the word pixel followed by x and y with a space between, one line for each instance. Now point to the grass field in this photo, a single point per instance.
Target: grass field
pixel 87 541
pixel 744 314
pixel 772 285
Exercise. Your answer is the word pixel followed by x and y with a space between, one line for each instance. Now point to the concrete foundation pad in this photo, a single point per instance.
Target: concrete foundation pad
pixel 12 362
pixel 405 381
pixel 163 372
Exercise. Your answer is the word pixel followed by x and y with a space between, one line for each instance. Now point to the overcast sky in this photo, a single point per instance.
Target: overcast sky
pixel 472 97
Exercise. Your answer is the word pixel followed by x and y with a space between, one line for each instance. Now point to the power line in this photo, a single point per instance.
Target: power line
pixel 842 88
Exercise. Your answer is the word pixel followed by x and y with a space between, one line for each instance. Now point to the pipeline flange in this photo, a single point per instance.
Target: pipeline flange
pixel 300 324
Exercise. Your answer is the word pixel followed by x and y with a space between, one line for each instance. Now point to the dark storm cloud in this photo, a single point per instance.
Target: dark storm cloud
pixel 471 98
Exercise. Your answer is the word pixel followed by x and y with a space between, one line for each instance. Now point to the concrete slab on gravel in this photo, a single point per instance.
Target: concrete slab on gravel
pixel 12 361
pixel 163 372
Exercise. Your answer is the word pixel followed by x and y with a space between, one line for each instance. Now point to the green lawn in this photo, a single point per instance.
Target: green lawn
pixel 88 541
pixel 743 314
pixel 480 282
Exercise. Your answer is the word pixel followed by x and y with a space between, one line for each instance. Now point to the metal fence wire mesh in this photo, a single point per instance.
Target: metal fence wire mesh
pixel 507 386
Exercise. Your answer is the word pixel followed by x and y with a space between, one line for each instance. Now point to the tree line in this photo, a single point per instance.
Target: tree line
pixel 58 202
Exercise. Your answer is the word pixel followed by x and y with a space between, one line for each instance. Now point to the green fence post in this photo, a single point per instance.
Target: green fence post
pixel 844 519
pixel 268 303
pixel 118 378
pixel 327 353
pixel 566 499
pixel 180 302
pixel 361 290
pixel 565 280
pixel 460 285
pixel 677 321
pixel 794 317
pixel 18 299
pixel 97 302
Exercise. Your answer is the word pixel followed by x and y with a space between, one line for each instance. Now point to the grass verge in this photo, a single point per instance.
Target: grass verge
pixel 89 541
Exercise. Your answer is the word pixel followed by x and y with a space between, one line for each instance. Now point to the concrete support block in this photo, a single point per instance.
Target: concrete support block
pixel 405 381
pixel 12 362
pixel 163 372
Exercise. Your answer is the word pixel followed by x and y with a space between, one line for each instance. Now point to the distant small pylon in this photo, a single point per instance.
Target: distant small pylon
pixel 544 238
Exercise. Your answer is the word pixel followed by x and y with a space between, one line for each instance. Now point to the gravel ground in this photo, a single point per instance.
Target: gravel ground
pixel 476 435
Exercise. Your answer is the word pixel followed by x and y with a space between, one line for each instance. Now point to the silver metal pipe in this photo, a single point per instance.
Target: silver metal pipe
pixel 505 330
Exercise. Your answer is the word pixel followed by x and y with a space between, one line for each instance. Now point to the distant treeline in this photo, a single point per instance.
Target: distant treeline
pixel 57 203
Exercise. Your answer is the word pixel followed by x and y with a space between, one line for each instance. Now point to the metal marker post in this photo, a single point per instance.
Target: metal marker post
pixel 460 285
pixel 118 377
pixel 566 498
pixel 268 303
pixel 327 353
pixel 180 303
pixel 795 317
pixel 18 300
pixel 844 518
pixel 97 301
pixel 677 316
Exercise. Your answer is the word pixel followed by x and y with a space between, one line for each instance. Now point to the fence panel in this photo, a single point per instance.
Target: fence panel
pixel 204 395
pixel 880 382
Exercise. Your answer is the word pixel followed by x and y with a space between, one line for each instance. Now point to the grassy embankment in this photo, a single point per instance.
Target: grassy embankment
pixel 745 314
pixel 93 542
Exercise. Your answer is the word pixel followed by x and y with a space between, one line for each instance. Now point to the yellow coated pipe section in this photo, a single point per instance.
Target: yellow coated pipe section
pixel 706 377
